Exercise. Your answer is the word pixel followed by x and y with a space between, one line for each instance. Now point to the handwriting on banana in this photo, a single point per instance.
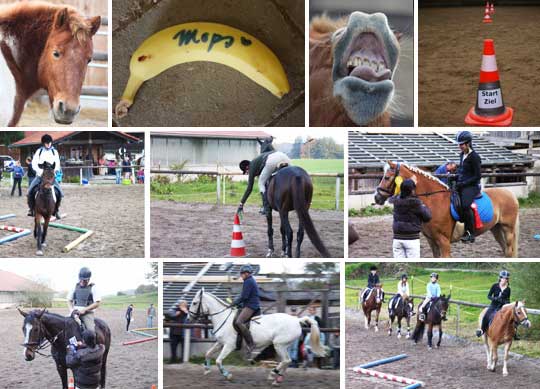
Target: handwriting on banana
pixel 186 37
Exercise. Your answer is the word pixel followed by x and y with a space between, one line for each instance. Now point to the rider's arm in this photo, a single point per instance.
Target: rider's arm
pixel 491 293
pixel 249 189
pixel 35 162
pixel 90 307
pixel 57 166
pixel 476 173
pixel 407 289
pixel 505 296
pixel 73 359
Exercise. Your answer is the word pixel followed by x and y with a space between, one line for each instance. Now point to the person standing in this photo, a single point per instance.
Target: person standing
pixel 129 316
pixel 86 360
pixel 18 174
pixel 31 174
pixel 150 314
pixel 176 334
pixel 445 170
pixel 84 299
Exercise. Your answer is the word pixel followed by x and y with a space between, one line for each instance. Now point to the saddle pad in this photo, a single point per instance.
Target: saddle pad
pixel 485 208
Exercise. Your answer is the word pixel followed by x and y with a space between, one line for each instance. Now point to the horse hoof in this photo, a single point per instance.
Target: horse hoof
pixel 39 253
pixel 229 377
pixel 206 371
pixel 430 348
pixel 408 336
pixel 44 244
pixel 275 383
pixel 376 329
pixel 399 336
pixel 269 254
pixel 505 374
pixel 283 254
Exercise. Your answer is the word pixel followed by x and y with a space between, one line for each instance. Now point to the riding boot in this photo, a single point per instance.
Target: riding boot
pixel 57 207
pixel 31 204
pixel 265 206
pixel 250 345
pixel 468 236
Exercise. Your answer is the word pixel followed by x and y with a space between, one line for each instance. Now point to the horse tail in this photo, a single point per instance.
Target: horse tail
pixel 301 208
pixel 315 339
pixel 418 333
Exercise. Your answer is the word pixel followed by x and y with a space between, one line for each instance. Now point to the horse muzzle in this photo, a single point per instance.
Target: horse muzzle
pixel 379 199
pixel 65 113
pixel 29 354
pixel 526 323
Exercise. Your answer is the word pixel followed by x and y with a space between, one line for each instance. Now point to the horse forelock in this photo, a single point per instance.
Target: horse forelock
pixel 80 28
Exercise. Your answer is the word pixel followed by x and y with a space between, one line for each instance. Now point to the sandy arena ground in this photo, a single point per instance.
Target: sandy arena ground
pixel 191 376
pixel 38 115
pixel 114 212
pixel 456 364
pixel 450 52
pixel 376 239
pixel 205 230
pixel 133 366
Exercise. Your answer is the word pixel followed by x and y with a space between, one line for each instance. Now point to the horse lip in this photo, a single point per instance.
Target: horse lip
pixel 353 45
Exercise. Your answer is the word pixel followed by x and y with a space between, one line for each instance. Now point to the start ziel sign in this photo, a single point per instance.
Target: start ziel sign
pixel 488 99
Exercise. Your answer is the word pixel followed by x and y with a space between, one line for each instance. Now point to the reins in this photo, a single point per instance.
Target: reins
pixel 391 191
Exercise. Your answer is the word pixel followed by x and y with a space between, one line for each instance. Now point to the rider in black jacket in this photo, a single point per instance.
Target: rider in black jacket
pixel 499 294
pixel 468 181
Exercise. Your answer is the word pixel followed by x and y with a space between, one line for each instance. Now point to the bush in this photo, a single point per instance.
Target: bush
pixel 370 210
pixel 159 179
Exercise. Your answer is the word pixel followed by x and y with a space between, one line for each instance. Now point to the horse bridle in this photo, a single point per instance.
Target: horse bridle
pixel 197 315
pixel 390 192
pixel 42 342
pixel 518 322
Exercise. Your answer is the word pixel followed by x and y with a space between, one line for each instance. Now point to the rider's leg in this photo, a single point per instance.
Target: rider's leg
pixel 31 195
pixel 467 198
pixel 263 179
pixel 59 196
pixel 88 320
pixel 241 320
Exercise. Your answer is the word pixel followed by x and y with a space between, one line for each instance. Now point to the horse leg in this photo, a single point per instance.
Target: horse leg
pixel 367 319
pixel 443 244
pixel 38 233
pixel 278 372
pixel 227 349
pixel 377 313
pixel 288 231
pixel 299 239
pixel 408 327
pixel 62 372
pixel 510 236
pixel 434 247
pixel 488 351
pixel 494 356
pixel 104 369
pixel 270 233
pixel 506 350
pixel 430 336
pixel 399 327
pixel 283 231
pixel 440 336
pixel 208 356
pixel 391 320
pixel 44 232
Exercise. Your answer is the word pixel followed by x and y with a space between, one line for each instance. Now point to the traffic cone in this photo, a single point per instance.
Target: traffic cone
pixel 489 109
pixel 487 18
pixel 238 247
pixel 154 387
pixel 491 9
pixel 71 383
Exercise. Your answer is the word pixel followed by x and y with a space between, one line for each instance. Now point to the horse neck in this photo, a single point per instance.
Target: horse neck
pixel 53 324
pixel 217 310
pixel 426 185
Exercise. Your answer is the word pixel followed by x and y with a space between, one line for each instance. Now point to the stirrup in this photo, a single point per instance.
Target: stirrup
pixel 30 213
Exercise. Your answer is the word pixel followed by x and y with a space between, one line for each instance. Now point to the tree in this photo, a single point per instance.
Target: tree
pixel 524 282
pixel 152 276
pixel 324 275
pixel 296 148
pixel 39 294
pixel 9 137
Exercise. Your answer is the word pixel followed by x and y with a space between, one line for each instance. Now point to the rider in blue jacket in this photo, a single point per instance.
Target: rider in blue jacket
pixel 250 303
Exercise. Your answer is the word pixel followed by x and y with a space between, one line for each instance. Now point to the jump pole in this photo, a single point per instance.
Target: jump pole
pixel 139 341
pixel 389 377
pixel 146 329
pixel 382 361
pixel 85 235
pixel 142 333
pixel 20 232
pixel 8 216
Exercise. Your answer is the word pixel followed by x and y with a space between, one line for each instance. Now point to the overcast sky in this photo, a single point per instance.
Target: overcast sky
pixel 288 135
pixel 111 275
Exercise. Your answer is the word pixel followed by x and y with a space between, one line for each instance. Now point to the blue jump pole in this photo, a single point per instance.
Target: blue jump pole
pixel 382 361
pixel 9 216
pixel 414 386
pixel 15 236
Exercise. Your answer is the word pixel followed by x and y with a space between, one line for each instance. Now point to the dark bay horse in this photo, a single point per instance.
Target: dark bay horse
pixel 43 46
pixel 502 331
pixel 442 230
pixel 291 189
pixel 44 205
pixel 42 328
pixel 434 318
pixel 373 303
pixel 403 309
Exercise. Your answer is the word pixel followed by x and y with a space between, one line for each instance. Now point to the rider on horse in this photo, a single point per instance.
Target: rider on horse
pixel 433 292
pixel 499 294
pixel 409 214
pixel 85 359
pixel 402 292
pixel 250 303
pixel 373 281
pixel 468 181
pixel 46 153
pixel 262 166
pixel 84 299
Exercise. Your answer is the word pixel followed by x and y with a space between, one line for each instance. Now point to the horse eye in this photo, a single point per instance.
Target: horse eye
pixel 56 54
pixel 89 60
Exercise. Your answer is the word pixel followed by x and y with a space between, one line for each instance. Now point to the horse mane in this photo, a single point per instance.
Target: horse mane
pixel 324 24
pixel 427 175
pixel 217 299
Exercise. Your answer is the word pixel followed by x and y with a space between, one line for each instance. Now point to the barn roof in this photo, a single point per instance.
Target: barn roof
pixel 226 134
pixel 34 137
pixel 424 150
pixel 11 282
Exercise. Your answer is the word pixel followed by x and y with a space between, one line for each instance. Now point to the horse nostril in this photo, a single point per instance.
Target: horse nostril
pixel 61 106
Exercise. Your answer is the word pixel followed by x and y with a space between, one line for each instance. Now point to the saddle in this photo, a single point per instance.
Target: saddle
pixel 256 316
pixel 483 211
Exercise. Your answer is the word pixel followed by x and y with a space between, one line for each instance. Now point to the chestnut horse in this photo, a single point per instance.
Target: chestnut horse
pixel 352 62
pixel 43 46
pixel 502 331
pixel 442 230
pixel 373 303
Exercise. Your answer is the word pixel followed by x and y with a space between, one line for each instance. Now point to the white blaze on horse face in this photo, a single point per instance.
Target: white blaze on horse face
pixel 8 88
pixel 27 328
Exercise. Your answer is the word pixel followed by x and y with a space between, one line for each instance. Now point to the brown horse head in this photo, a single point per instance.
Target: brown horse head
pixel 48 176
pixel 64 60
pixel 34 334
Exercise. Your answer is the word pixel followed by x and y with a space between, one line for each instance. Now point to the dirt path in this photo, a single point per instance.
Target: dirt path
pixel 128 366
pixel 449 56
pixel 204 231
pixel 190 375
pixel 114 212
pixel 376 239
pixel 456 364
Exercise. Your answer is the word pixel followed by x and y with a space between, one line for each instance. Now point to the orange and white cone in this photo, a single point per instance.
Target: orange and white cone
pixel 491 9
pixel 487 18
pixel 238 247
pixel 489 109
pixel 71 383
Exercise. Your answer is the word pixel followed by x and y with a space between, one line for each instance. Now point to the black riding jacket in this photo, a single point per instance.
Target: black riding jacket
pixel 372 280
pixel 498 297
pixel 256 167
pixel 86 365
pixel 469 171
pixel 409 214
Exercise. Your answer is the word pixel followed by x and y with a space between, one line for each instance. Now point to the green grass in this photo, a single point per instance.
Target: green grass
pixel 203 190
pixel 470 287
pixel 370 210
pixel 532 201
pixel 121 302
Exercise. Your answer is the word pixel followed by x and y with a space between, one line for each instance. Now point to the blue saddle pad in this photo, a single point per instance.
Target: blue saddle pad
pixel 485 208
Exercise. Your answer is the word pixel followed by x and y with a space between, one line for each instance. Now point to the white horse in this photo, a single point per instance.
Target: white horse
pixel 278 329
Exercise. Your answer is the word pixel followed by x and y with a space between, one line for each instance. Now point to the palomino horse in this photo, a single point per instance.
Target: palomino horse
pixel 278 329
pixel 44 206
pixel 435 317
pixel 502 331
pixel 43 46
pixel 403 309
pixel 42 329
pixel 372 303
pixel 442 230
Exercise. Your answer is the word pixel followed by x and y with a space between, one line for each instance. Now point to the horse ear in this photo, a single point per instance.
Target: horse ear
pixel 40 313
pixel 23 313
pixel 450 295
pixel 259 141
pixel 398 35
pixel 95 23
pixel 61 18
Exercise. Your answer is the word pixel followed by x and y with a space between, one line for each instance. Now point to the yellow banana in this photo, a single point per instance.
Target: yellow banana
pixel 201 41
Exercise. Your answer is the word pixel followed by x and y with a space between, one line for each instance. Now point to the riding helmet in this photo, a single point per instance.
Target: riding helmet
pixel 85 273
pixel 89 338
pixel 246 269
pixel 435 275
pixel 46 139
pixel 464 137
pixel 373 268
pixel 504 274
pixel 404 275
pixel 244 165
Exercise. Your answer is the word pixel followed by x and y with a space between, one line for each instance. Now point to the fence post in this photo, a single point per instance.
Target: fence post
pixel 457 319
pixel 338 187
pixel 187 344
pixel 224 190
pixel 80 176
pixel 218 187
